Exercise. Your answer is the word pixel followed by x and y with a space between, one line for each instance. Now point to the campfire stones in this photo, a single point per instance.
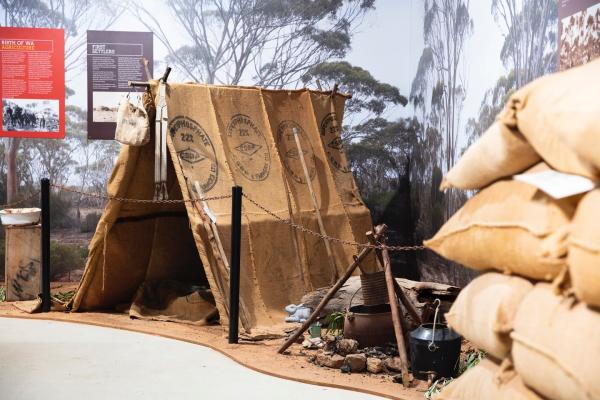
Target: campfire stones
pixel 375 365
pixel 356 362
pixel 393 363
pixel 343 354
pixel 313 343
pixel 330 361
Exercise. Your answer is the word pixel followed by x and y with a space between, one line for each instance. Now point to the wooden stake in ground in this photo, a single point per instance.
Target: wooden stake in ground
pixel 379 230
pixel 389 278
pixel 315 205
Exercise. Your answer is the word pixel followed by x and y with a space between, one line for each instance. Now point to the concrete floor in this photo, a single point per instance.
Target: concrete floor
pixel 56 360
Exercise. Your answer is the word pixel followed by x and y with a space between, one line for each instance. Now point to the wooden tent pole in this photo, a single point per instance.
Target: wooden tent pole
pixel 211 229
pixel 379 230
pixel 305 275
pixel 315 205
pixel 397 322
pixel 213 225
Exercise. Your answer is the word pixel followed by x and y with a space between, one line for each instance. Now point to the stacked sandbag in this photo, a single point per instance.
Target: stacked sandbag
pixel 487 380
pixel 510 226
pixel 484 311
pixel 584 250
pixel 556 344
pixel 550 331
pixel 554 118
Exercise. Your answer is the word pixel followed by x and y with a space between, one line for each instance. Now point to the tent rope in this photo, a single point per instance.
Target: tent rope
pixel 378 245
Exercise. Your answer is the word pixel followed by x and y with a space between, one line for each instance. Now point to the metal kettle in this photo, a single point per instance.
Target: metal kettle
pixel 434 349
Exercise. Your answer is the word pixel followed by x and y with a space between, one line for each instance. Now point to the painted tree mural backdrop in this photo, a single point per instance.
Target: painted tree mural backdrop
pixel 397 157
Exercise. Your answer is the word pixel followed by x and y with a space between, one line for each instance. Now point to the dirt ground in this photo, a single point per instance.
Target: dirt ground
pixel 260 356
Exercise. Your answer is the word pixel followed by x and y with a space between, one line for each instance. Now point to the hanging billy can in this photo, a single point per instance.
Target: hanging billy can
pixel 434 348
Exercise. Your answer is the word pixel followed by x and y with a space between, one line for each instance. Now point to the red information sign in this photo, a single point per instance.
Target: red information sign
pixel 32 65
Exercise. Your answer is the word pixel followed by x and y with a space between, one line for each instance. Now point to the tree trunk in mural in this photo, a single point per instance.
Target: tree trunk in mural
pixel 12 183
pixel 447 26
pixel 529 27
pixel 438 93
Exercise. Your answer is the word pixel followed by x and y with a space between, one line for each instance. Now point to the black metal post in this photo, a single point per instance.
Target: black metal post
pixel 45 202
pixel 234 262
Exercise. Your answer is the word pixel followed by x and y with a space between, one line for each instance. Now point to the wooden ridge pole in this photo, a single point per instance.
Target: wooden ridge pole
pixel 379 230
pixel 332 263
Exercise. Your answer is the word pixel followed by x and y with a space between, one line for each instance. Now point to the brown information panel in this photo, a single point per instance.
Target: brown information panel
pixel 113 59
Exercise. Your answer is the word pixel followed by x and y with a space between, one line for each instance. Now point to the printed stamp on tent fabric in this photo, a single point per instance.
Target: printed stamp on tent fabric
pixel 195 150
pixel 248 148
pixel 289 151
pixel 330 131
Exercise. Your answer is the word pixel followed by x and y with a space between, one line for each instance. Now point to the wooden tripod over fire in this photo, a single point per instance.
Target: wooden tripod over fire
pixel 395 294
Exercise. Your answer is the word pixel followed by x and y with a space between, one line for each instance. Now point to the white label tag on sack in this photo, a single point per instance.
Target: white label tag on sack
pixel 557 184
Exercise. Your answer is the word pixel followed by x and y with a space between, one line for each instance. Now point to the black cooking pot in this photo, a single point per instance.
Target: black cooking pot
pixel 434 351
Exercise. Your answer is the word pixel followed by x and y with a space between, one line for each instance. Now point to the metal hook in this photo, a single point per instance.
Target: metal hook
pixel 432 346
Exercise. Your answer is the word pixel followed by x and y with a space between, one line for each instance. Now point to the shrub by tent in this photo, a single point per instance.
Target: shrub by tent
pixel 218 137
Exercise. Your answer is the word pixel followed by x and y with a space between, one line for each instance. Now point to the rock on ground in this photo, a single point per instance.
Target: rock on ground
pixel 330 361
pixel 347 346
pixel 356 362
pixel 375 365
pixel 393 363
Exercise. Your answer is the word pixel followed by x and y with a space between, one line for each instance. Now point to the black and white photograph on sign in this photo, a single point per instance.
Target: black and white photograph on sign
pixel 580 37
pixel 106 104
pixel 32 115
pixel 114 58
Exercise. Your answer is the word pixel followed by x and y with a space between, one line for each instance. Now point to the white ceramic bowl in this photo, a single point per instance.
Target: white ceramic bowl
pixel 20 216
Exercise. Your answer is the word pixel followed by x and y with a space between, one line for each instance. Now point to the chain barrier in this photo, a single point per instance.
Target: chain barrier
pixel 142 201
pixel 303 229
pixel 298 227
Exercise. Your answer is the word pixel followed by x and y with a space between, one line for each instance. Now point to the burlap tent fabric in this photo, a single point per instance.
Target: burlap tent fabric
pixel 328 112
pixel 219 137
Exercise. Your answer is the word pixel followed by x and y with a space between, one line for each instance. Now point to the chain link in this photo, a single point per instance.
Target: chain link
pixel 142 201
pixel 303 229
